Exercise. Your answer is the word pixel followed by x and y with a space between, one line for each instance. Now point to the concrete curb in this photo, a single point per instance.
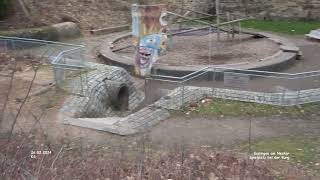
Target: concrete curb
pixel 287 55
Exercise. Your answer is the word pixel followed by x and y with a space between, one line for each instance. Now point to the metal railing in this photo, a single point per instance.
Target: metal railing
pixel 275 88
pixel 66 59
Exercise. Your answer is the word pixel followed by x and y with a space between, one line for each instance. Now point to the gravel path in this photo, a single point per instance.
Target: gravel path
pixel 311 55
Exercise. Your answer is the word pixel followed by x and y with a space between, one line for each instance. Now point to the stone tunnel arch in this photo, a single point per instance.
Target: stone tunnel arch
pixel 120 102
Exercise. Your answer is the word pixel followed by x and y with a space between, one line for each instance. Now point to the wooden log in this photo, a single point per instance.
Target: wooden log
pixel 109 30
pixel 122 48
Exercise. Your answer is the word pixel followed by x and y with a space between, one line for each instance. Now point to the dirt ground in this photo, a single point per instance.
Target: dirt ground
pixel 88 14
pixel 194 50
pixel 213 132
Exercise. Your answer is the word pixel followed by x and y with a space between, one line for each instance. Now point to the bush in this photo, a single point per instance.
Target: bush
pixel 4 7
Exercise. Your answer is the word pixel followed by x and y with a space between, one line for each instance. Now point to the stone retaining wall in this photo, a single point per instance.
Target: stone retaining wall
pixel 180 97
pixel 268 9
pixel 92 109
pixel 49 33
pixel 96 96
pixel 274 9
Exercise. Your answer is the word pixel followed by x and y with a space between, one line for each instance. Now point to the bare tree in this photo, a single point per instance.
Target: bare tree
pixel 4 107
pixel 35 67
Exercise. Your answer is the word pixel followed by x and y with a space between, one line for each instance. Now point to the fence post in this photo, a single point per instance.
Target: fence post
pixel 283 97
pixel 81 83
pixel 213 71
pixel 146 91
pixel 233 29
pixel 182 93
pixel 6 46
pixel 218 18
pixel 229 25
pixel 210 45
pixel 13 45
pixel 298 98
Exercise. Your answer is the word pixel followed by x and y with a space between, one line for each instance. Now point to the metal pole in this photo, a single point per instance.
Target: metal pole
pixel 5 50
pixel 81 82
pixel 298 98
pixel 182 94
pixel 210 45
pixel 170 44
pixel 240 32
pixel 240 38
pixel 233 29
pixel 283 96
pixel 145 91
pixel 249 138
pixel 213 80
pixel 182 6
pixel 218 18
pixel 229 26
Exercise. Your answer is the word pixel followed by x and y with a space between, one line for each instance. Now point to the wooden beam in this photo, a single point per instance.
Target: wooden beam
pixel 177 20
pixel 197 12
pixel 195 19
pixel 190 19
pixel 122 48
pixel 109 30
pixel 207 23
pixel 215 26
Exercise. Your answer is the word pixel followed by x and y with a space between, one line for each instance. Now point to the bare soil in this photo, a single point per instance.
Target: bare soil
pixel 90 14
pixel 87 149
pixel 194 50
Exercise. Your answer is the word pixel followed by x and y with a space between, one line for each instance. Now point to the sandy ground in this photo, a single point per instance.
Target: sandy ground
pixel 195 50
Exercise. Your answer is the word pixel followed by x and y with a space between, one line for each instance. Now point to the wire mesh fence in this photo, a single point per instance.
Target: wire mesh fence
pixel 248 128
pixel 66 60
pixel 264 87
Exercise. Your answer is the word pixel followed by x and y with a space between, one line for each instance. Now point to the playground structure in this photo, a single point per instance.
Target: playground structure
pixel 106 98
pixel 220 44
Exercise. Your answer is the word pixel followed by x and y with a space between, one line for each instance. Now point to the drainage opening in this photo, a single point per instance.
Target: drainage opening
pixel 121 101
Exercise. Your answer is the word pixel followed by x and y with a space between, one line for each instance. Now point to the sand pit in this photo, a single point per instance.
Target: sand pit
pixel 195 50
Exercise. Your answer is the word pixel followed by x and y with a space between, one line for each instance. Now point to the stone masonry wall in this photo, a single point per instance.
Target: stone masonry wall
pixel 264 9
pixel 274 9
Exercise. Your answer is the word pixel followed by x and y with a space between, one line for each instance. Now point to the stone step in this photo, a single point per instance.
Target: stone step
pixel 315 34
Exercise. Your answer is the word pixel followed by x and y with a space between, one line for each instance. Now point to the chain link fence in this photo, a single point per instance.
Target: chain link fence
pixel 66 60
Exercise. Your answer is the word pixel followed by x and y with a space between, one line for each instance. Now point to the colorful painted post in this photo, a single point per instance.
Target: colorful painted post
pixel 149 31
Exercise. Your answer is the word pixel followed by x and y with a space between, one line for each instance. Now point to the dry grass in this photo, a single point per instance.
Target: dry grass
pixel 76 160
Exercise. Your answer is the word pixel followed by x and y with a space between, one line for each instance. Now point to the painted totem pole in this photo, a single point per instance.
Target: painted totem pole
pixel 149 32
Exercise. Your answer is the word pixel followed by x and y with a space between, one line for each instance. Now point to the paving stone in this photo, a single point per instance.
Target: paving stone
pixel 315 34
pixel 287 48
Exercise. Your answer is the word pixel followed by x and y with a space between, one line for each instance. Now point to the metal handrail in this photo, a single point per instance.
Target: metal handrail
pixel 40 41
pixel 257 73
